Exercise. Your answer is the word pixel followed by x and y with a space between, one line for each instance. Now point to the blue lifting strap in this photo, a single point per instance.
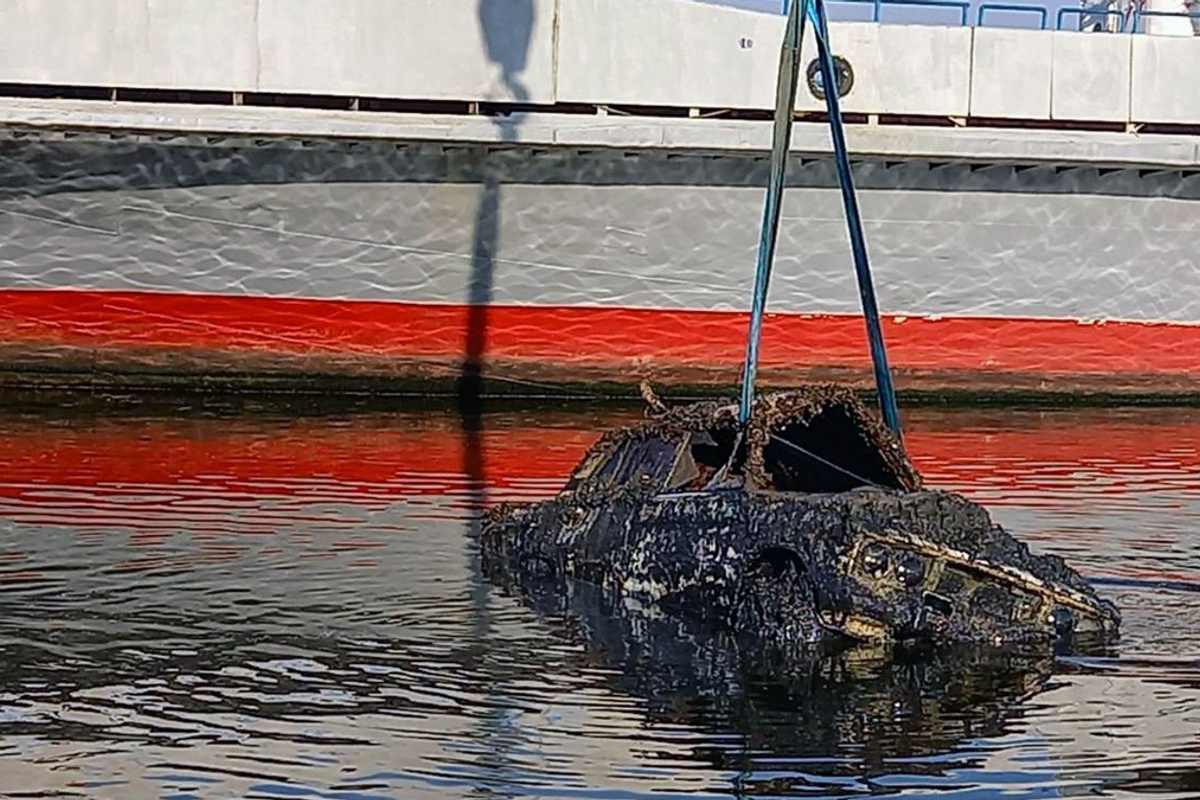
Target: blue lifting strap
pixel 789 67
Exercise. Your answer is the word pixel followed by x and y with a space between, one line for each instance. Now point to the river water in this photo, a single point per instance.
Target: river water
pixel 209 601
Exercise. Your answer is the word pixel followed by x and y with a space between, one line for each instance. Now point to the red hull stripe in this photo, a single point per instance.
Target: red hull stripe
pixel 586 335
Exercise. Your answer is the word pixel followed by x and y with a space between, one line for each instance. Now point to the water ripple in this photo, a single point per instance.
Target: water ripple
pixel 206 603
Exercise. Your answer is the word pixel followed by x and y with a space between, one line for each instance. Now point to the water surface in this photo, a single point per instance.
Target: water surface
pixel 203 601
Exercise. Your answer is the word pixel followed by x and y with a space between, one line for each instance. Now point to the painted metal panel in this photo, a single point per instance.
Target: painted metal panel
pixel 919 70
pixel 634 52
pixel 691 54
pixel 416 49
pixel 1165 70
pixel 164 44
pixel 1090 76
pixel 413 49
pixel 76 53
pixel 1011 73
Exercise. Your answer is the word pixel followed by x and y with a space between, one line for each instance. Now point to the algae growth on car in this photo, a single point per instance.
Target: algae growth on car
pixel 806 529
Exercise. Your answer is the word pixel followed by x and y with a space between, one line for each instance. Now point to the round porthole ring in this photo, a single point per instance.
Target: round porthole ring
pixel 842 70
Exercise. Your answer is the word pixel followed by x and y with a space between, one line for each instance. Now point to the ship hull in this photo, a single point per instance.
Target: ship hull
pixel 136 337
pixel 136 260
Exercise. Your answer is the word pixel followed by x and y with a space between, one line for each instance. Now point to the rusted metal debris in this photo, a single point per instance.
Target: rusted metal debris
pixel 809 529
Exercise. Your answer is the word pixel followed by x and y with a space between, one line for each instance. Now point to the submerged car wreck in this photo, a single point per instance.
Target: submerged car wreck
pixel 912 704
pixel 805 529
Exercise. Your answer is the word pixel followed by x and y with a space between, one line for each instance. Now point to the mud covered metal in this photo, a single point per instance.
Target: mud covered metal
pixel 819 439
pixel 807 528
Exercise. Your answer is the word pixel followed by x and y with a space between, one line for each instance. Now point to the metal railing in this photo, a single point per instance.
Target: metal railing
pixel 1139 15
pixel 963 7
pixel 1014 8
pixel 1066 19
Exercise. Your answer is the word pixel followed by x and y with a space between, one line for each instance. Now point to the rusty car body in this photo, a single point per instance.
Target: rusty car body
pixel 806 528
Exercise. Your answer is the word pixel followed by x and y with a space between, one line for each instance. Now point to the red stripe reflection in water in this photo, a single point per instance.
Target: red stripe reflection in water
pixel 152 477
pixel 307 459
pixel 375 458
